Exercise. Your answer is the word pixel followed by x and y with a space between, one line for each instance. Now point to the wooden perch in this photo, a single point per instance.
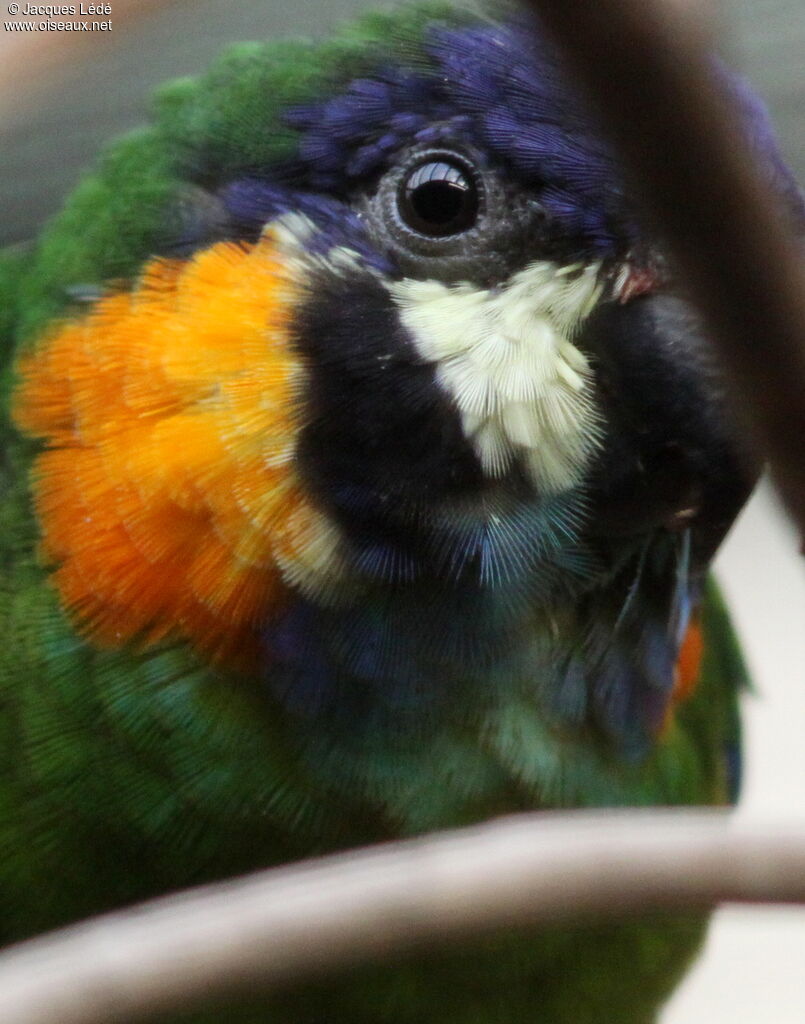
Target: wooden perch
pixel 291 923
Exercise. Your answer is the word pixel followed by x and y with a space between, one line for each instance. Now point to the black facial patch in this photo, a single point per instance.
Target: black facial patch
pixel 670 444
pixel 381 446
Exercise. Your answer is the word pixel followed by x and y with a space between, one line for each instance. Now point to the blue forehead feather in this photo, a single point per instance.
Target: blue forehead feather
pixel 354 133
pixel 496 87
pixel 251 203
pixel 501 87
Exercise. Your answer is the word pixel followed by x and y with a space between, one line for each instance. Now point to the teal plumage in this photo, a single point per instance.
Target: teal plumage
pixel 474 640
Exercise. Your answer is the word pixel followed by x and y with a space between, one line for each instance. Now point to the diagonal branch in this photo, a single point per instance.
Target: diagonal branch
pixel 290 923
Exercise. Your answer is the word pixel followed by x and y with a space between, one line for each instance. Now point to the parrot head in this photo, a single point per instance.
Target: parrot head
pixel 397 398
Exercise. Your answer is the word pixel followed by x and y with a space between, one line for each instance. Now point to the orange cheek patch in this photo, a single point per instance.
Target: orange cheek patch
pixel 167 496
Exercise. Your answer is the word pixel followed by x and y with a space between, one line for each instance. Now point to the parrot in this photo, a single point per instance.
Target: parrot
pixel 363 463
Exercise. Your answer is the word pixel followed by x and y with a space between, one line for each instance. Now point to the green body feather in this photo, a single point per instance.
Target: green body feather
pixel 124 775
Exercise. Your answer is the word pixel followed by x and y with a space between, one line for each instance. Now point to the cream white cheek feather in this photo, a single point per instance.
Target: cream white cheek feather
pixel 507 359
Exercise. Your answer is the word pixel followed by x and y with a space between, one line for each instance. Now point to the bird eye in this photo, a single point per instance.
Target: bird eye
pixel 439 197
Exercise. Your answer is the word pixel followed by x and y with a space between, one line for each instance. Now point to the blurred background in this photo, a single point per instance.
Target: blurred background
pixel 63 94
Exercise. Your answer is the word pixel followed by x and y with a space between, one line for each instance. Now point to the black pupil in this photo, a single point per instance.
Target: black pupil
pixel 439 198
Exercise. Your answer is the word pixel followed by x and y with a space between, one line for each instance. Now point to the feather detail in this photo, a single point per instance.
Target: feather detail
pixel 167 496
pixel 507 360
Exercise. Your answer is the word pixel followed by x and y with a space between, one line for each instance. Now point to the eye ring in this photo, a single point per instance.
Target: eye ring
pixel 439 196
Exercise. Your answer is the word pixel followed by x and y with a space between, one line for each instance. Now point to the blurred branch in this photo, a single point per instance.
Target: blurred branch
pixel 290 923
pixel 645 65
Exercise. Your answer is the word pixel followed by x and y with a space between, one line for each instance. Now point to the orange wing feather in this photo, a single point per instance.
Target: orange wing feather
pixel 689 663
